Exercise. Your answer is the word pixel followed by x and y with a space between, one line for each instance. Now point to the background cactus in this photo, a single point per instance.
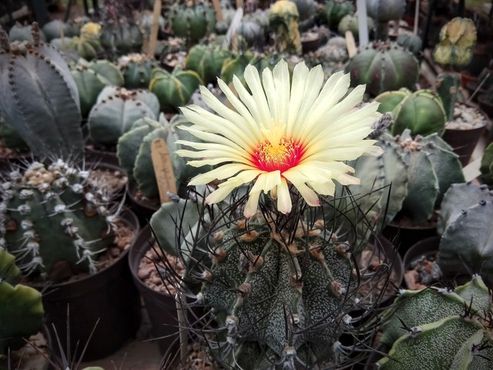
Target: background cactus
pixel 115 112
pixel 20 32
pixel 21 309
pixel 421 112
pixel 383 67
pixel 283 19
pixel 383 11
pixel 440 328
pixel 466 222
pixel 207 61
pixel 487 165
pixel 411 42
pixel 174 89
pixel 136 69
pixel 48 120
pixel 122 37
pixel 11 139
pixel 58 29
pixel 55 221
pixel 192 22
pixel 350 23
pixel 335 10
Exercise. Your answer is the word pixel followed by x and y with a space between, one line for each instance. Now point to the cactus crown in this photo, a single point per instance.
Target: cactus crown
pixel 55 217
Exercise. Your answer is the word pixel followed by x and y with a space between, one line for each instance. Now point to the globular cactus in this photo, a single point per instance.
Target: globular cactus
pixel 174 89
pixel 136 69
pixel 20 32
pixel 122 37
pixel 439 329
pixel 457 41
pixel 335 51
pixel 251 30
pixel 487 165
pixel 207 61
pixel 335 10
pixel 115 112
pixel 55 220
pixel 92 78
pixel 383 11
pixel 235 66
pixel 382 67
pixel 466 245
pixel 192 22
pixel 134 153
pixel 411 42
pixel 86 46
pixel 47 119
pixel 350 23
pixel 21 309
pixel 307 10
pixel 283 19
pixel 58 29
pixel 421 111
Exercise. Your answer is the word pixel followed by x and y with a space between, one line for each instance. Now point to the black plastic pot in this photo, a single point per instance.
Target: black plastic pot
pixel 425 247
pixel 403 237
pixel 95 155
pixel 463 142
pixel 161 308
pixel 107 302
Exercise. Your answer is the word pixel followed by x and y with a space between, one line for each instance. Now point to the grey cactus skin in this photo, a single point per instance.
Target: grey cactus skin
pixel 440 329
pixel 48 120
pixel 53 217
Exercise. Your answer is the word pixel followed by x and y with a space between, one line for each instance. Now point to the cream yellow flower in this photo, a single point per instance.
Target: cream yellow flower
pixel 280 132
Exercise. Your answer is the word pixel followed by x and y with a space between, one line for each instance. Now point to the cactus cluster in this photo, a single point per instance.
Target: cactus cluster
pixel 283 19
pixel 466 225
pixel 86 46
pixel 55 220
pixel 207 61
pixel 192 22
pixel 174 89
pixel 421 111
pixel 383 66
pixel 116 110
pixel 21 309
pixel 439 329
pixel 136 70
pixel 47 119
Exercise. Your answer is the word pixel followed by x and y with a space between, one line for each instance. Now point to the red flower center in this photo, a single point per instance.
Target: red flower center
pixel 281 156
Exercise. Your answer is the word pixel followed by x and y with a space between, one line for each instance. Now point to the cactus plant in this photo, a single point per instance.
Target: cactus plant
pixel 11 139
pixel 91 79
pixel 20 32
pixel 283 18
pixel 48 120
pixel 192 22
pixel 55 220
pixel 115 112
pixel 448 87
pixel 251 31
pixel 487 165
pixel 439 328
pixel 235 66
pixel 21 309
pixel 174 89
pixel 383 67
pixel 411 42
pixel 465 245
pixel 383 11
pixel 122 37
pixel 136 69
pixel 58 29
pixel 421 112
pixel 335 10
pixel 207 61
pixel 350 23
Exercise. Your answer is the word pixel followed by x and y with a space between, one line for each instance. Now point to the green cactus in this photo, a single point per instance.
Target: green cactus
pixel 54 220
pixel 58 29
pixel 122 37
pixel 350 23
pixel 335 10
pixel 383 67
pixel 466 244
pixel 235 66
pixel 91 79
pixel 20 33
pixel 136 69
pixel 192 22
pixel 207 61
pixel 115 112
pixel 251 30
pixel 21 309
pixel 411 42
pixel 448 87
pixel 11 139
pixel 383 11
pixel 421 112
pixel 439 329
pixel 487 165
pixel 47 119
pixel 174 89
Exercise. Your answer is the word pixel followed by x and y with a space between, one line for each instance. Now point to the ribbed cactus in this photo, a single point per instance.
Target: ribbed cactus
pixel 383 11
pixel 54 220
pixel 235 66
pixel 192 22
pixel 58 29
pixel 21 309
pixel 20 32
pixel 457 41
pixel 439 329
pixel 207 61
pixel 283 19
pixel 115 112
pixel 466 245
pixel 122 37
pixel 134 153
pixel 335 10
pixel 174 89
pixel 350 23
pixel 136 69
pixel 11 139
pixel 91 79
pixel 487 165
pixel 382 67
pixel 48 119
pixel 421 112
pixel 251 30
pixel 411 42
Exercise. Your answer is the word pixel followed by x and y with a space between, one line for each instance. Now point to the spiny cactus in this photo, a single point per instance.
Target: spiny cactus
pixel 55 220
pixel 48 119
pixel 335 10
pixel 192 22
pixel 207 61
pixel 439 329
pixel 21 309
pixel 487 165
pixel 115 112
pixel 136 69
pixel 283 18
pixel 383 11
pixel 174 89
pixel 91 79
pixel 421 112
pixel 466 245
pixel 382 67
